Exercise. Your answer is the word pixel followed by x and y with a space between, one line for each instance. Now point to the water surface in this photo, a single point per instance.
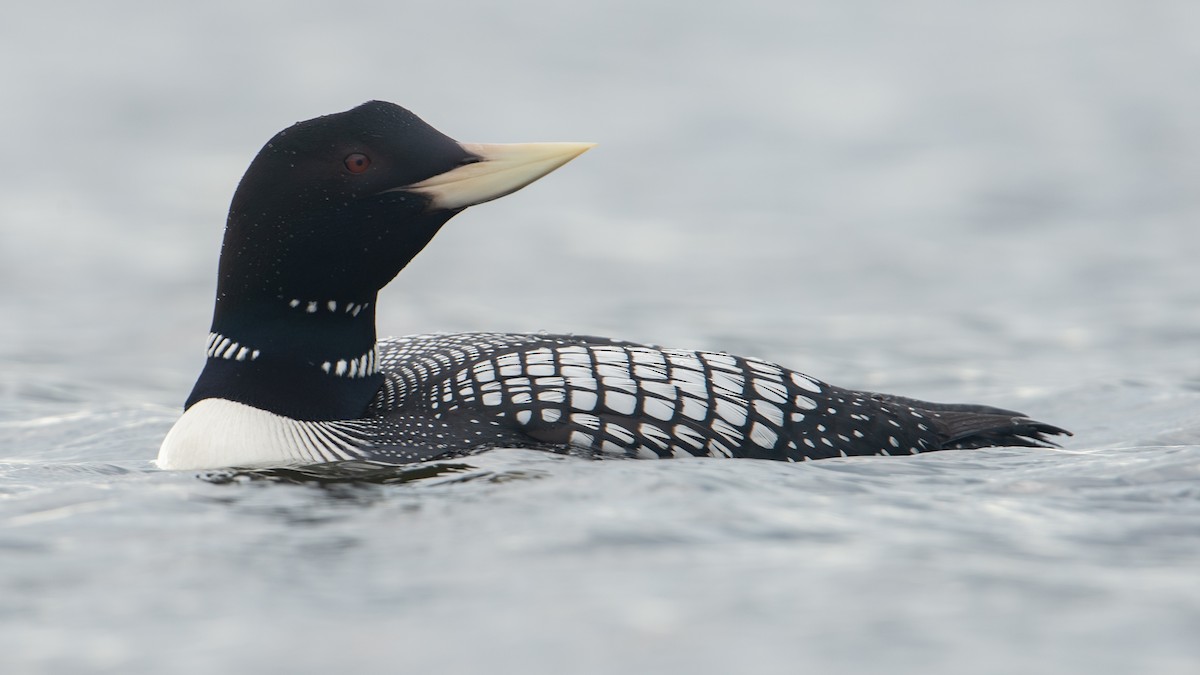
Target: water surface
pixel 991 203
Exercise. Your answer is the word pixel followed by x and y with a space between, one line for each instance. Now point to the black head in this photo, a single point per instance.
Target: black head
pixel 317 214
pixel 328 212
pixel 334 207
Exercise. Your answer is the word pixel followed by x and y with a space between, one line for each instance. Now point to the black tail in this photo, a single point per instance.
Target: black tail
pixel 967 426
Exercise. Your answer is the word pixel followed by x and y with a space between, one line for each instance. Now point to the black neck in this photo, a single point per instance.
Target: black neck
pixel 303 358
pixel 300 268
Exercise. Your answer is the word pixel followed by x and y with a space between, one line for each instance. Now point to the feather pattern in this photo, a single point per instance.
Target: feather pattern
pixel 457 393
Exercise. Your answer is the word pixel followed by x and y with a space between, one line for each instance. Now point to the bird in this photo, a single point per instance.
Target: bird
pixel 333 208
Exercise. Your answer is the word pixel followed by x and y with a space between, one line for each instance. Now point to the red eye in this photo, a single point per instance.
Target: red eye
pixel 357 162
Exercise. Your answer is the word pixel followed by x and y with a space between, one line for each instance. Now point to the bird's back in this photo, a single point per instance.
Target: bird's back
pixel 446 394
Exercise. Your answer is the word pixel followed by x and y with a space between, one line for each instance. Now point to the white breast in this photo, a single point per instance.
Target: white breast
pixel 216 433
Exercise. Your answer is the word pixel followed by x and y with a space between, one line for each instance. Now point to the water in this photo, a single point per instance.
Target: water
pixel 992 203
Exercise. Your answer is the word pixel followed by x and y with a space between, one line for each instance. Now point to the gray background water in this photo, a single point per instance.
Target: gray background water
pixel 989 201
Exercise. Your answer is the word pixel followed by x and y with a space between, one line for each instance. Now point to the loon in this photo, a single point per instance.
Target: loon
pixel 331 209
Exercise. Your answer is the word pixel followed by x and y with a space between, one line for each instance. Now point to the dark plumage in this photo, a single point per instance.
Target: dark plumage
pixel 333 208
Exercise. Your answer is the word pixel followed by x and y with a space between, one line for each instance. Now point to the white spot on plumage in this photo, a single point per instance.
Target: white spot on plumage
pixel 764 368
pixel 654 434
pixel 610 448
pixel 718 449
pixel 694 408
pixel 312 307
pixel 723 428
pixel 723 361
pixel 772 413
pixel 610 355
pixel 664 389
pixel 658 408
pixel 541 355
pixel 644 372
pixel 651 357
pixel 241 355
pixel 688 435
pixel 583 400
pixel 571 356
pixel 763 435
pixel 552 396
pixel 585 420
pixel 620 383
pixel 523 416
pixel 581 372
pixel 492 398
pixel 551 414
pixel 609 370
pixel 774 392
pixel 580 439
pixel 585 383
pixel 730 382
pixel 620 402
pixel 731 412
pixel 332 305
pixel 484 371
pixel 691 377
pixel 805 403
pixel 805 383
pixel 619 432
